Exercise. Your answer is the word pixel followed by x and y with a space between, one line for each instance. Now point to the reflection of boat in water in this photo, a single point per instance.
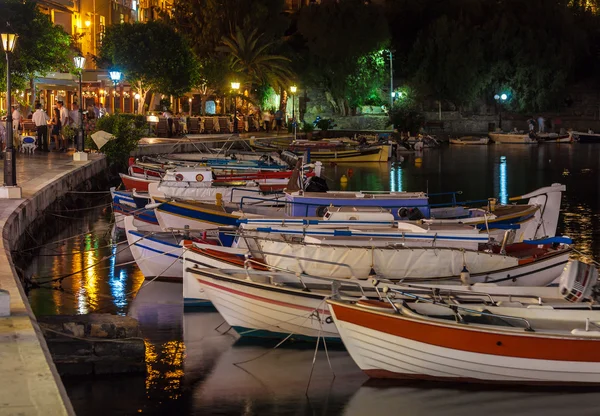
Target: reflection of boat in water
pixel 425 399
pixel 158 303
pixel 281 375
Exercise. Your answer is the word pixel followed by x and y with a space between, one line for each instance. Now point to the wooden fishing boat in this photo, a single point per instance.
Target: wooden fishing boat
pixel 589 137
pixel 470 140
pixel 513 138
pixel 327 151
pixel 398 340
pixel 555 137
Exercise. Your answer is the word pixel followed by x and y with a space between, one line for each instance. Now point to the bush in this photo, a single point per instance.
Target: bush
pixel 325 124
pixel 128 129
pixel 407 119
pixel 307 127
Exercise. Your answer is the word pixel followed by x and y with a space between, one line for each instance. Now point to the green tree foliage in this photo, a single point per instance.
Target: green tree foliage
pixel 460 50
pixel 363 86
pixel 337 40
pixel 41 46
pixel 128 129
pixel 249 57
pixel 152 56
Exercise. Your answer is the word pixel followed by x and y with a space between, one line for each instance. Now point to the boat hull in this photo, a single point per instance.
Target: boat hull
pixel 394 346
pixel 588 137
pixel 178 215
pixel 509 138
pixel 156 256
pixel 256 310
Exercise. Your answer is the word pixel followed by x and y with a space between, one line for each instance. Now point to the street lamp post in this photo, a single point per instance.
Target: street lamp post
pixel 190 105
pixel 137 102
pixel 235 86
pixel 293 90
pixel 500 99
pixel 80 154
pixel 10 189
pixel 115 76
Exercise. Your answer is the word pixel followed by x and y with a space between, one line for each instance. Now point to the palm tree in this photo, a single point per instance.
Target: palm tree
pixel 249 55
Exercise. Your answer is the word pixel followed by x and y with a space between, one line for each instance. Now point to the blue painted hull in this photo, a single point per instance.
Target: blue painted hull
pixel 302 206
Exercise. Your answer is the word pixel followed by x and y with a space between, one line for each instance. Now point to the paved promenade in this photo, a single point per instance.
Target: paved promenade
pixel 29 383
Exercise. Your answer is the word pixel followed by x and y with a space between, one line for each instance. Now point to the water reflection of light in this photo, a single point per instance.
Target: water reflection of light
pixel 90 277
pixel 503 181
pixel 578 223
pixel 164 368
pixel 396 179
pixel 117 283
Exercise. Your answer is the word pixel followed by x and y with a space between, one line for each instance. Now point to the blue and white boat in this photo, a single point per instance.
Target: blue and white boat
pixel 127 203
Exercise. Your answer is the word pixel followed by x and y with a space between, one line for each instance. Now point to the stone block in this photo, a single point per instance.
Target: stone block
pixel 104 349
pixel 102 330
pixel 135 348
pixel 116 367
pixel 74 328
pixel 65 348
pixel 11 192
pixel 4 303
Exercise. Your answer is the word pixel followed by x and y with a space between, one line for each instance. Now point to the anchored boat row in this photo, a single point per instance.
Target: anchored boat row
pixel 412 289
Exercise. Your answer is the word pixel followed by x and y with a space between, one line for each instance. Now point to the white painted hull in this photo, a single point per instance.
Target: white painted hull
pixel 466 142
pixel 169 221
pixel 380 354
pixel 411 263
pixel 255 311
pixel 509 138
pixel 155 257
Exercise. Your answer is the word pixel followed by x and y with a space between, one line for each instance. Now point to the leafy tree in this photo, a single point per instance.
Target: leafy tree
pixel 448 61
pixel 249 56
pixel 41 46
pixel 152 56
pixel 335 36
pixel 363 86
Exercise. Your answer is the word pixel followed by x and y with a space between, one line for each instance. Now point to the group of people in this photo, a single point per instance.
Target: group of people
pixel 54 125
pixel 544 125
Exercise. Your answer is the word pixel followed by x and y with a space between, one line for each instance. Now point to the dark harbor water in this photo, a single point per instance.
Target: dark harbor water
pixel 196 367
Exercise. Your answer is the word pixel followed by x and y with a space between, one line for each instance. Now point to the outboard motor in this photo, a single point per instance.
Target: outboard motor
pixel 577 281
pixel 316 184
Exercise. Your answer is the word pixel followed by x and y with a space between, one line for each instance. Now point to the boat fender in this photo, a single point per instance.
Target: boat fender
pixel 344 179
pixel 465 276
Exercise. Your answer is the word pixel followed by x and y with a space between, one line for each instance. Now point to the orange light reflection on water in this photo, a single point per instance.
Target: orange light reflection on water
pixel 578 224
pixel 164 368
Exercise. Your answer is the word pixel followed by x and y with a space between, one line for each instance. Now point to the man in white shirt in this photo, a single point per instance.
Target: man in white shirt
pixel 41 119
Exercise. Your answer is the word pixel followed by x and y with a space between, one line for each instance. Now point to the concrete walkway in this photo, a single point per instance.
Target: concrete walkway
pixel 29 382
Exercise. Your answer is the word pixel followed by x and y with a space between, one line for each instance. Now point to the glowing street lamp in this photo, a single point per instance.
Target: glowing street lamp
pixel 9 40
pixel 293 90
pixel 235 86
pixel 115 76
pixel 500 99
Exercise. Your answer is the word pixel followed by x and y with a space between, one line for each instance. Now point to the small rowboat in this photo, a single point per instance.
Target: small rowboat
pixel 399 339
pixel 470 140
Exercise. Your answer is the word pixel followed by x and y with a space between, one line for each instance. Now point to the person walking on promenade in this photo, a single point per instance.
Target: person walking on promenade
pixel 278 120
pixel 41 119
pixel 267 121
pixel 56 128
pixel 64 121
pixel 541 124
